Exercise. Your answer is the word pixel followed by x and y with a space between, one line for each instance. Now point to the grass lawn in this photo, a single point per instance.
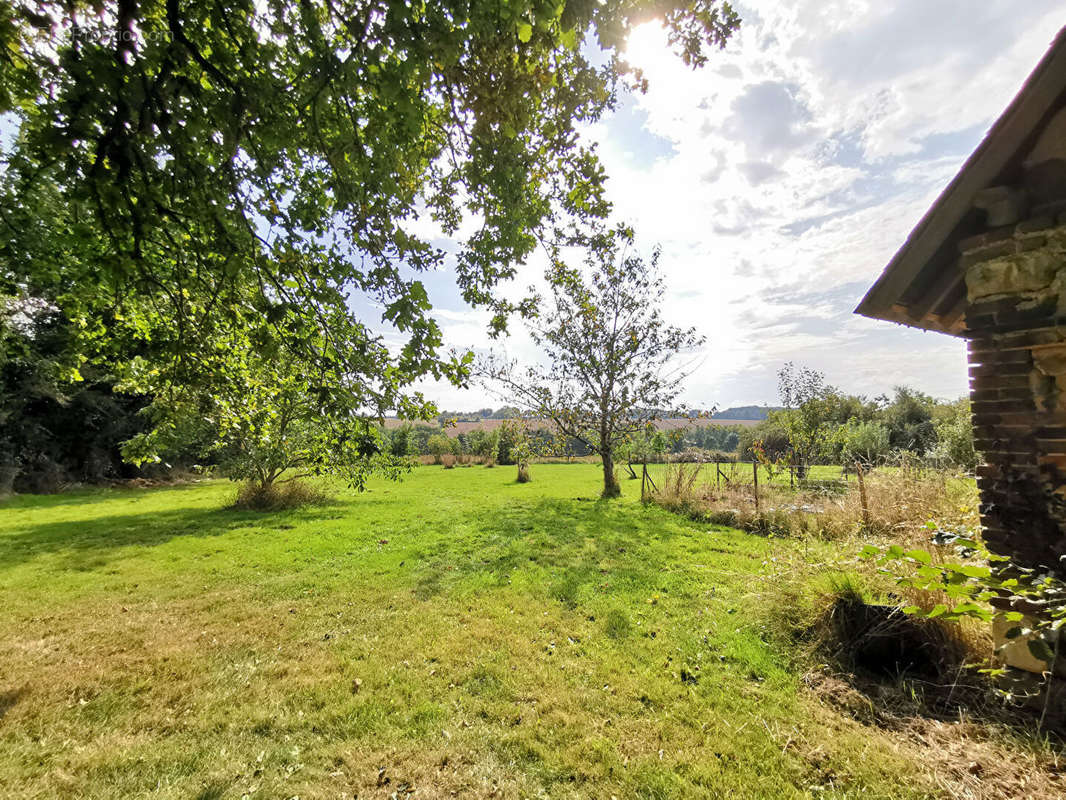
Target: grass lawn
pixel 453 635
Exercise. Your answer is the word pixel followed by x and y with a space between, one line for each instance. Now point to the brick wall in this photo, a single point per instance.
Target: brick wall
pixel 1016 326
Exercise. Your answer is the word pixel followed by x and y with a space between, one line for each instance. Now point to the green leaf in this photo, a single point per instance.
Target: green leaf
pixel 930 574
pixel 970 610
pixel 919 555
pixel 938 609
pixel 525 32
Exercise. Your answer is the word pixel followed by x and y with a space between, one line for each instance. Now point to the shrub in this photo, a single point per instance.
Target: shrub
pixel 867 442
pixel 278 496
pixel 955 437
pixel 438 445
pixel 770 432
pixel 400 441
pixel 483 444
pixel 522 447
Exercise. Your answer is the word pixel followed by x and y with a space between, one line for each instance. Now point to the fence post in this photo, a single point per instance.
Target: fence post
pixel 643 480
pixel 755 482
pixel 862 498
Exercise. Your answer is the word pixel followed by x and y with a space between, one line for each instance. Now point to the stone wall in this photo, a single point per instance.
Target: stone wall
pixel 1016 326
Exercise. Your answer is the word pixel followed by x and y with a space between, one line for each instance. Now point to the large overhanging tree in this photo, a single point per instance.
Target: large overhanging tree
pixel 247 171
pixel 610 359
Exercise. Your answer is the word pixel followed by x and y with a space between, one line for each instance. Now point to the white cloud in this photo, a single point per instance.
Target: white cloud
pixel 781 178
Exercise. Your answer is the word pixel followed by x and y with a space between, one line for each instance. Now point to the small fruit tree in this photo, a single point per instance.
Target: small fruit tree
pixel 610 355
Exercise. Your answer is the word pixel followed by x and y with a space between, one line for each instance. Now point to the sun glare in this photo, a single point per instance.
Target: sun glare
pixel 647 48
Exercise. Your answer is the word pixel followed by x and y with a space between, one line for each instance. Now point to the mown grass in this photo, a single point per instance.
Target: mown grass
pixel 456 634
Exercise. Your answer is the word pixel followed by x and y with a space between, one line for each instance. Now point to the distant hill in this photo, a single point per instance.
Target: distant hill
pixel 746 412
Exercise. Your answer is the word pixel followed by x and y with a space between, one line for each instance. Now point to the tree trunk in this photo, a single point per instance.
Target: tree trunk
pixel 8 472
pixel 265 479
pixel 523 472
pixel 610 482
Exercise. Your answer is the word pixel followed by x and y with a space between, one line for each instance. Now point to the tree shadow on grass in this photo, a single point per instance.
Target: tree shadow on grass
pixel 89 543
pixel 90 494
pixel 579 544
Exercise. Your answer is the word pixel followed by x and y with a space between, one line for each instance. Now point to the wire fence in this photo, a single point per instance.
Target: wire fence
pixel 824 478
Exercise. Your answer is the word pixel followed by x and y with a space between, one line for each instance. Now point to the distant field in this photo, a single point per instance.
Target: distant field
pixel 663 424
pixel 454 635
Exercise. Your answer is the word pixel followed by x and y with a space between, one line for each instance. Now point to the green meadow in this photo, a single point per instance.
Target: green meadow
pixel 452 635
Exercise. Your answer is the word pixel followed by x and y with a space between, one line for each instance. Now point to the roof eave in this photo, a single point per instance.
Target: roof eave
pixel 1038 95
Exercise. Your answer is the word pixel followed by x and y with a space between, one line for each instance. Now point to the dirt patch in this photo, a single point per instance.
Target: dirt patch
pixel 8 699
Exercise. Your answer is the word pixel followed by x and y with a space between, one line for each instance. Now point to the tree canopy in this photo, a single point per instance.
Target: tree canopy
pixel 190 175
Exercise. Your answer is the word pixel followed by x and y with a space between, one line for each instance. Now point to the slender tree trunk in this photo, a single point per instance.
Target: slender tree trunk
pixel 8 472
pixel 610 482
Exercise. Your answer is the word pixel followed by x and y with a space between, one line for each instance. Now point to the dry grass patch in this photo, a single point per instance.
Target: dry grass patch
pixel 279 496
pixel 966 758
pixel 899 503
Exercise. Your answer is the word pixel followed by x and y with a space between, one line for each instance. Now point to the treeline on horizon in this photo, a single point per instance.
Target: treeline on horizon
pixel 840 427
pixel 52 436
pixel 746 413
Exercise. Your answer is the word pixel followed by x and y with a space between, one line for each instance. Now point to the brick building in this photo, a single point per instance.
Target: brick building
pixel 988 263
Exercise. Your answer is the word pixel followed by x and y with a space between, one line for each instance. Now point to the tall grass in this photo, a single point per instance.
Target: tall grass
pixel 253 496
pixel 899 503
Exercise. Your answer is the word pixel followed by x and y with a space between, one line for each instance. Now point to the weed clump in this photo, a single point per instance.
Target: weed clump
pixel 566 590
pixel 616 625
pixel 254 496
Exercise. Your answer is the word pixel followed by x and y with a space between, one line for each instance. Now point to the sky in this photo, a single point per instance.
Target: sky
pixel 780 179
